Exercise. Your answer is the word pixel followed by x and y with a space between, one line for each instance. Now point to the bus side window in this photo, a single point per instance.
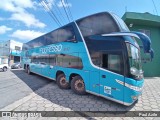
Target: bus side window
pixel 74 62
pixel 33 60
pixel 69 61
pixel 59 60
pixel 47 57
pixel 37 60
pixel 52 60
pixel 96 58
pixel 112 62
pixel 66 34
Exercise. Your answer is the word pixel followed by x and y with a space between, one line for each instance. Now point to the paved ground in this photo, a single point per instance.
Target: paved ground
pixel 16 84
pixel 51 98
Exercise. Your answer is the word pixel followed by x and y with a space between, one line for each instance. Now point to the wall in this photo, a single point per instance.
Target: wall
pixel 151 69
pixel 4 48
pixel 15 43
pixel 7 48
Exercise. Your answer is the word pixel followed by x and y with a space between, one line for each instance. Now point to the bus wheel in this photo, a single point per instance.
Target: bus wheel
pixel 4 69
pixel 78 86
pixel 28 70
pixel 25 69
pixel 61 82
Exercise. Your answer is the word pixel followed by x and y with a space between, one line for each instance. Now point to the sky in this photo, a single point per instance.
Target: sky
pixel 24 20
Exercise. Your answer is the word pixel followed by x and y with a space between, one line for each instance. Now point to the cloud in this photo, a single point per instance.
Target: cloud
pixel 19 13
pixel 48 4
pixel 28 19
pixel 62 3
pixel 24 35
pixel 2 18
pixel 4 29
pixel 16 5
pixel 24 3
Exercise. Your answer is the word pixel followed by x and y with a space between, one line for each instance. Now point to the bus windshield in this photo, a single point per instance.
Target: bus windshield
pixel 97 24
pixel 121 23
pixel 134 59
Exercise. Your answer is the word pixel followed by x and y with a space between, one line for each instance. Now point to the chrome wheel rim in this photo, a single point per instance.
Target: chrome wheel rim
pixel 28 71
pixel 79 85
pixel 63 81
pixel 4 69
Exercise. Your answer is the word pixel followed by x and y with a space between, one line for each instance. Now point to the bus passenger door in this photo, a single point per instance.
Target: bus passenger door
pixel 94 82
pixel 95 73
pixel 111 75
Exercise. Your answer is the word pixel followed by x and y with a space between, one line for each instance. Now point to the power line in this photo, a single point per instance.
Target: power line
pixel 44 6
pixel 48 10
pixel 52 12
pixel 155 7
pixel 69 10
pixel 57 15
pixel 65 10
pixel 58 11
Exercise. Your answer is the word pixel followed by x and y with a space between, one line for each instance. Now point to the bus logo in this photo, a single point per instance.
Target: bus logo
pixel 53 48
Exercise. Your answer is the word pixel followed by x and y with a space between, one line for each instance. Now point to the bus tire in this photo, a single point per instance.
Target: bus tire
pixel 78 85
pixel 28 70
pixel 25 69
pixel 4 69
pixel 61 82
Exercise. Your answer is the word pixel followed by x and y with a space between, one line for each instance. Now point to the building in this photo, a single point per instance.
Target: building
pixel 150 25
pixel 12 50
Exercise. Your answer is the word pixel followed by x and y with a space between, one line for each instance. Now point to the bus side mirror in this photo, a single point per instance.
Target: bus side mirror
pixel 146 43
pixel 152 54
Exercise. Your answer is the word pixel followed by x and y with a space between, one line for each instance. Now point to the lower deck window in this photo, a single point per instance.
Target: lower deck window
pixel 114 63
pixel 59 60
pixel 109 61
pixel 69 61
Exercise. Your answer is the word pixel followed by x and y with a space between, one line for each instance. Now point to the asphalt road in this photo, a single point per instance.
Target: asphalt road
pixel 16 84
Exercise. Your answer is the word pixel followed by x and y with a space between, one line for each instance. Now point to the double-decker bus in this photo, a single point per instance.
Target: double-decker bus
pixel 96 54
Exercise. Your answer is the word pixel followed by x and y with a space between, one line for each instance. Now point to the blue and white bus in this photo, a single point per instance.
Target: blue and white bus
pixel 96 54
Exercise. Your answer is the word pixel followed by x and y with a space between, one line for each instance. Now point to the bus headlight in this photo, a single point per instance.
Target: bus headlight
pixel 138 89
pixel 134 97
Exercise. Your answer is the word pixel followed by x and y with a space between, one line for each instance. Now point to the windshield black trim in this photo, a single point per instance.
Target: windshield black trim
pixel 127 61
pixel 133 45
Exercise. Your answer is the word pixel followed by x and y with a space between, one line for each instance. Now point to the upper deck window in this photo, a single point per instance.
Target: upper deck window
pixel 63 34
pixel 97 24
pixel 60 35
